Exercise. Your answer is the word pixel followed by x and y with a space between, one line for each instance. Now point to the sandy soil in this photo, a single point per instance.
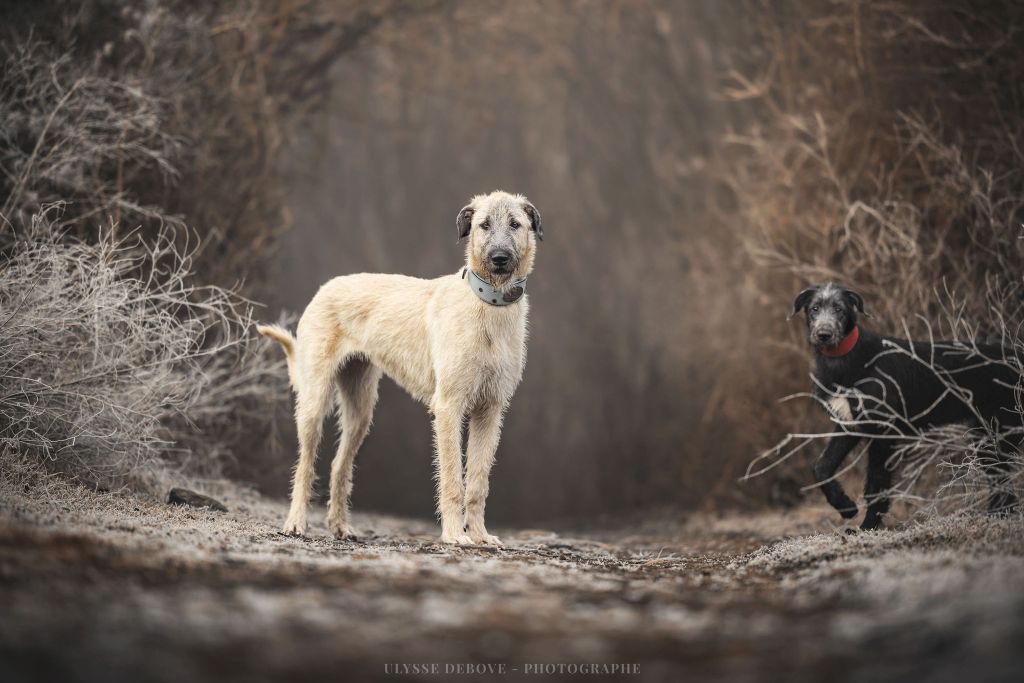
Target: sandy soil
pixel 120 588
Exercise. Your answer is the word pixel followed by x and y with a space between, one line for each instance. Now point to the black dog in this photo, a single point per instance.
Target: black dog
pixel 889 395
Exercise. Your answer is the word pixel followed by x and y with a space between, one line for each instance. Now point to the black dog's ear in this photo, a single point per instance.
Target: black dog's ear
pixel 534 215
pixel 857 301
pixel 801 301
pixel 463 222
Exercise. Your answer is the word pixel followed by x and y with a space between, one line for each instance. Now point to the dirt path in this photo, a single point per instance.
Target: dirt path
pixel 104 588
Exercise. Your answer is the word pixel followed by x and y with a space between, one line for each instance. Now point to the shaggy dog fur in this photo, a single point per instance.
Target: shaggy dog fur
pixel 449 349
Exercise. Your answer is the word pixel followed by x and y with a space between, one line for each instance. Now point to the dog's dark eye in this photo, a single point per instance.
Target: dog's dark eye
pixel 513 224
pixel 815 308
pixel 486 225
pixel 837 309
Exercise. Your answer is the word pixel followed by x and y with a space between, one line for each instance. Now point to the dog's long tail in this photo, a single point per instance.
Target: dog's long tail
pixel 287 341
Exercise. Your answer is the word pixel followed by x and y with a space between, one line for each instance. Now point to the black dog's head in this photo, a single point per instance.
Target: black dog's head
pixel 831 312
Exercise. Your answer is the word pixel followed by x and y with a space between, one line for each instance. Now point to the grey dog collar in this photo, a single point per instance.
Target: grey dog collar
pixel 491 295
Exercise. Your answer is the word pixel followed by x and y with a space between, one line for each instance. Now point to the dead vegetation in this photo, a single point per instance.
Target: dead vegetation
pixel 114 366
pixel 897 171
pixel 138 167
pixel 117 365
pixel 136 118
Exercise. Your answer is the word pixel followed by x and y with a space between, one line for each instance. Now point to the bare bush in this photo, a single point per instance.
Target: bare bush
pixel 900 174
pixel 72 135
pixel 139 117
pixel 116 369
pixel 152 113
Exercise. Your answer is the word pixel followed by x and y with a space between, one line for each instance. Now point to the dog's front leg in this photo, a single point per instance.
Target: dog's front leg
pixel 827 465
pixel 448 414
pixel 484 433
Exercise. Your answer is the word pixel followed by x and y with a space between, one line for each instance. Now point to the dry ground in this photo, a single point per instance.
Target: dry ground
pixel 119 588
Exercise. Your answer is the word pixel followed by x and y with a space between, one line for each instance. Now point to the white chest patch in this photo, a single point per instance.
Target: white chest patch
pixel 840 408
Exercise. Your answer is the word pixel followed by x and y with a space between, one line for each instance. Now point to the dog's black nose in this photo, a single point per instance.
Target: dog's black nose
pixel 500 257
pixel 824 337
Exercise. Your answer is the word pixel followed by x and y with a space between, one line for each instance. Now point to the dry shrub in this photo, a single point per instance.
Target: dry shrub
pixel 113 367
pixel 67 134
pixel 896 170
pixel 120 123
pixel 117 367
pixel 142 114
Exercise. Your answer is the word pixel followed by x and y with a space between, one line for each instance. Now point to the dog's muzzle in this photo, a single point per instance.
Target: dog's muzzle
pixel 501 262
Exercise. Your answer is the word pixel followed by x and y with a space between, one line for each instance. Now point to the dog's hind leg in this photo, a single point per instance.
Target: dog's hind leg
pixel 827 464
pixel 876 489
pixel 312 399
pixel 1003 498
pixel 357 392
pixel 484 432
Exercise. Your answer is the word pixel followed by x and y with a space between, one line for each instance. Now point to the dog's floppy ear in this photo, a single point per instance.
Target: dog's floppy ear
pixel 534 215
pixel 857 301
pixel 801 301
pixel 464 221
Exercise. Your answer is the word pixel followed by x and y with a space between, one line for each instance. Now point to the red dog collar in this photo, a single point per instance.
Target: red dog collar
pixel 844 347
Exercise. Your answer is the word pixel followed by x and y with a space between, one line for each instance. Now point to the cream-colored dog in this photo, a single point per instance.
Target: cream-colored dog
pixel 456 343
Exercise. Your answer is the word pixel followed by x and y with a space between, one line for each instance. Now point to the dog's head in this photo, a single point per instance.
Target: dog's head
pixel 503 230
pixel 831 312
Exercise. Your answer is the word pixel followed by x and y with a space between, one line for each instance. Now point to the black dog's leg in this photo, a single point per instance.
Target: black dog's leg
pixel 876 489
pixel 827 465
pixel 1002 499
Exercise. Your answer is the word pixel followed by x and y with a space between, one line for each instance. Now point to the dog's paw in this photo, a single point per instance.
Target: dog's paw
pixel 871 524
pixel 294 526
pixel 344 534
pixel 486 539
pixel 456 539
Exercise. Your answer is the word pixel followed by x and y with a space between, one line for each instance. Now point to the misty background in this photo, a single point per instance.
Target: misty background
pixel 174 172
pixel 604 119
pixel 696 164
